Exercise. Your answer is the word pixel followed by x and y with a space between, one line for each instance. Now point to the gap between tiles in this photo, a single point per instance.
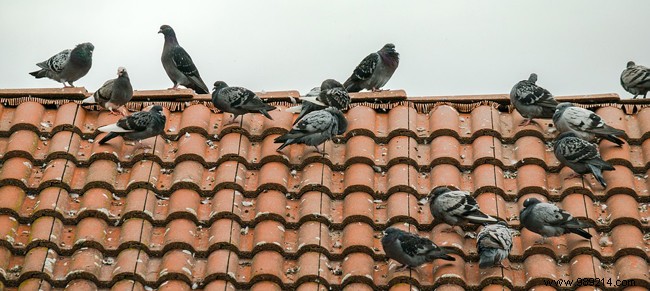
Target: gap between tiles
pixel 494 172
pixel 58 196
pixel 591 245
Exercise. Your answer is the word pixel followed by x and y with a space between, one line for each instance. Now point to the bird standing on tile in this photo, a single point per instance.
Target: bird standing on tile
pixel 581 156
pixel 456 208
pixel 68 65
pixel 532 101
pixel 330 93
pixel 374 71
pixel 114 94
pixel 179 65
pixel 636 79
pixel 238 101
pixel 549 220
pixel 585 124
pixel 411 250
pixel 494 243
pixel 136 127
pixel 315 128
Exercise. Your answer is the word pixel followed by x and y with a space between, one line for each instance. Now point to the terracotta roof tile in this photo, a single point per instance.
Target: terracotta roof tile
pixel 217 208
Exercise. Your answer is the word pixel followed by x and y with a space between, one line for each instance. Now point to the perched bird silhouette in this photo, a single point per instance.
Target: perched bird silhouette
pixel 456 207
pixel 581 156
pixel 374 71
pixel 636 79
pixel 315 128
pixel 67 66
pixel 549 220
pixel 494 243
pixel 114 94
pixel 179 65
pixel 411 250
pixel 532 101
pixel 238 101
pixel 585 124
pixel 136 127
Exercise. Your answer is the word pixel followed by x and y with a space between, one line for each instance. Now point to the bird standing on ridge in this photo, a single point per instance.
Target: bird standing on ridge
pixel 636 79
pixel 238 101
pixel 456 208
pixel 68 65
pixel 330 93
pixel 179 65
pixel 585 124
pixel 136 127
pixel 114 94
pixel 374 71
pixel 315 128
pixel 581 156
pixel 532 101
pixel 549 220
pixel 411 250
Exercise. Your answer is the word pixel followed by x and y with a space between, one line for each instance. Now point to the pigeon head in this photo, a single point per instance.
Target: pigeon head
pixel 218 85
pixel 532 78
pixel 631 64
pixel 121 71
pixel 389 47
pixel 392 231
pixel 439 190
pixel 330 84
pixel 157 109
pixel 340 118
pixel 562 106
pixel 531 201
pixel 84 49
pixel 167 30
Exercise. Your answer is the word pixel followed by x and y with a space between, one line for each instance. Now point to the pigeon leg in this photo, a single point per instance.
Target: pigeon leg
pixel 635 95
pixel 174 88
pixel 644 94
pixel 66 86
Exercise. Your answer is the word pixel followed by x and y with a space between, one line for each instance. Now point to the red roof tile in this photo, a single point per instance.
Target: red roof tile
pixel 217 208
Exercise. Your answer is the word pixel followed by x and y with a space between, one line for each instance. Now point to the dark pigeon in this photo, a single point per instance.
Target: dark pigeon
pixel 636 79
pixel 67 66
pixel 581 156
pixel 136 127
pixel 179 65
pixel 585 124
pixel 549 220
pixel 374 71
pixel 238 101
pixel 330 93
pixel 315 128
pixel 456 207
pixel 532 101
pixel 411 250
pixel 114 94
pixel 494 243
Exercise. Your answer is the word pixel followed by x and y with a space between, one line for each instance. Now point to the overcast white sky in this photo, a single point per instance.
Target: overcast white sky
pixel 447 47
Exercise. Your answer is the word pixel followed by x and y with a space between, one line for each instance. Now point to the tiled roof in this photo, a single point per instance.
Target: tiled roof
pixel 219 209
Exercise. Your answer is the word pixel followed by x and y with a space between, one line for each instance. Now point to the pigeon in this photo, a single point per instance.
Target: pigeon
pixel 636 79
pixel 581 156
pixel 532 101
pixel 374 71
pixel 549 220
pixel 315 128
pixel 114 93
pixel 136 127
pixel 585 124
pixel 67 66
pixel 238 101
pixel 179 65
pixel 494 243
pixel 330 93
pixel 411 250
pixel 456 207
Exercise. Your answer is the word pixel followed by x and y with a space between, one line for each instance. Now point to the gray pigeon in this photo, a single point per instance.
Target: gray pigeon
pixel 532 101
pixel 374 71
pixel 315 128
pixel 114 93
pixel 238 101
pixel 585 124
pixel 636 79
pixel 456 207
pixel 581 156
pixel 494 243
pixel 549 220
pixel 68 65
pixel 136 127
pixel 330 93
pixel 179 65
pixel 411 250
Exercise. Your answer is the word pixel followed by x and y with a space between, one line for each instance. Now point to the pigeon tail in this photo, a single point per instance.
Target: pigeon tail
pixel 581 232
pixel 440 253
pixel 109 136
pixel 598 174
pixel 113 128
pixel 478 217
pixel 39 74
pixel 89 100
pixel 294 109
pixel 312 99
pixel 610 137
pixel 263 111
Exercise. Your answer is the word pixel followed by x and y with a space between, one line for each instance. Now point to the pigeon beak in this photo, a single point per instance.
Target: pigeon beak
pixel 160 31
